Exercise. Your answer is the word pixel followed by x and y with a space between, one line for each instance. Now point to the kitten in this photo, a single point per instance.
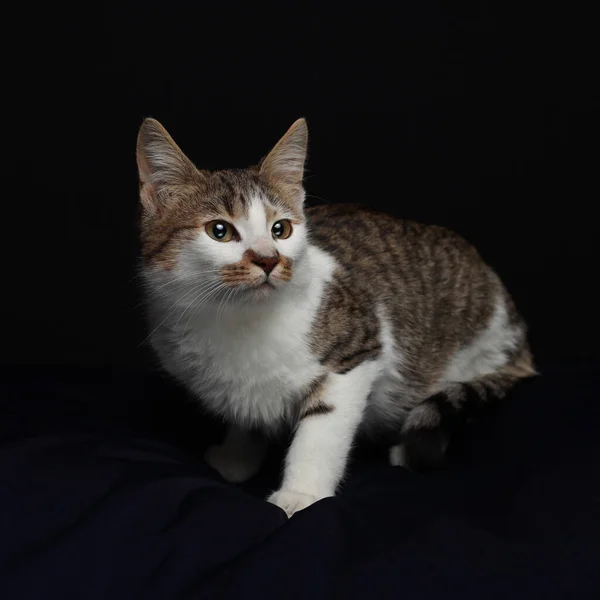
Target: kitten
pixel 335 321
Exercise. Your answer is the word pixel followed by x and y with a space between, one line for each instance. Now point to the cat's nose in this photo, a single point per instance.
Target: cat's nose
pixel 266 263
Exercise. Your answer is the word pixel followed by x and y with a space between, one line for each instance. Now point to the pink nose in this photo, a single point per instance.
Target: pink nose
pixel 266 263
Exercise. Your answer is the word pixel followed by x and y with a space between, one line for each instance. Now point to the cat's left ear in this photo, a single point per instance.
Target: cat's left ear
pixel 162 166
pixel 284 165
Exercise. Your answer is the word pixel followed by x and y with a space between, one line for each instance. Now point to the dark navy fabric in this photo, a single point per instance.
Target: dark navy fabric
pixel 104 494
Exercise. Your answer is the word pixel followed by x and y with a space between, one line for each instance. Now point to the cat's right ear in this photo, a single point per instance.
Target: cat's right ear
pixel 162 166
pixel 284 165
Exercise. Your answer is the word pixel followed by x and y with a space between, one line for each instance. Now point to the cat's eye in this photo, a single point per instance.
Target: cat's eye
pixel 221 231
pixel 282 229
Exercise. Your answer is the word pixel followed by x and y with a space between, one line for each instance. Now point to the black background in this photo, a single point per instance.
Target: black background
pixel 481 118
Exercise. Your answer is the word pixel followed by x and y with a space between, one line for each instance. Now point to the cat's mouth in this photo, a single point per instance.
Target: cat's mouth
pixel 262 288
pixel 267 284
pixel 259 287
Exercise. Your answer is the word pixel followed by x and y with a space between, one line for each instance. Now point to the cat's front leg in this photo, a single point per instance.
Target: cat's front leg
pixel 239 457
pixel 319 451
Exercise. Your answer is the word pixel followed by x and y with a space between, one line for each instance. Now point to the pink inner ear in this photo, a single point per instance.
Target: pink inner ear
pixel 143 166
pixel 285 163
pixel 147 198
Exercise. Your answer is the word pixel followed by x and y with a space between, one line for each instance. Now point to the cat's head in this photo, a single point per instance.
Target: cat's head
pixel 235 234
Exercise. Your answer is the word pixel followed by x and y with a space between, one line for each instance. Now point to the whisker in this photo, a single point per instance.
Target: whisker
pixel 170 312
pixel 155 292
pixel 203 300
pixel 223 303
pixel 215 285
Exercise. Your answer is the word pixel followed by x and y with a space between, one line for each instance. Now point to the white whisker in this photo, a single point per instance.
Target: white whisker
pixel 208 289
pixel 223 303
pixel 202 300
pixel 180 279
pixel 171 311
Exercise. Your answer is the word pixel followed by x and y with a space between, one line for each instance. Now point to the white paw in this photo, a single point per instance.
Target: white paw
pixel 291 502
pixel 398 456
pixel 231 465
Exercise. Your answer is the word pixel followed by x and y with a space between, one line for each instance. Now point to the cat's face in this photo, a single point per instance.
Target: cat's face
pixel 226 236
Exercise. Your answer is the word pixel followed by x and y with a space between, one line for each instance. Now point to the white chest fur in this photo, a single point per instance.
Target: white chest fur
pixel 248 365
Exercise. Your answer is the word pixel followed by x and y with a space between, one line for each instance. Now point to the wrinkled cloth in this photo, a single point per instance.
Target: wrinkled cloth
pixel 104 494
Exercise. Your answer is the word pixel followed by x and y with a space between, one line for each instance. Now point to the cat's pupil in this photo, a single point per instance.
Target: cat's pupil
pixel 219 230
pixel 278 229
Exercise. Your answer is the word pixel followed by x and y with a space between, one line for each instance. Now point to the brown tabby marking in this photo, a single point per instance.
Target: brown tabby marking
pixel 284 270
pixel 436 291
pixel 313 403
pixel 319 408
pixel 165 248
pixel 271 213
pixel 345 332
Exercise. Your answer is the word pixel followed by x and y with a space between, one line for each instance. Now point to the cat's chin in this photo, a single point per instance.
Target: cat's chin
pixel 259 293
pixel 262 290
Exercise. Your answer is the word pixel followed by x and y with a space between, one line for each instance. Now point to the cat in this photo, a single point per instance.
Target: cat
pixel 335 321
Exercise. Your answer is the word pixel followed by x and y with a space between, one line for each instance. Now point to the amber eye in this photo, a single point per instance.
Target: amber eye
pixel 221 231
pixel 282 229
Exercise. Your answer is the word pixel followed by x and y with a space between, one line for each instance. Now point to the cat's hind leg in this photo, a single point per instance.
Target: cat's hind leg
pixel 429 426
pixel 397 456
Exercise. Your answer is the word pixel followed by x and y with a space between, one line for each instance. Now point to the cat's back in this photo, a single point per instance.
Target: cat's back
pixel 357 235
pixel 425 284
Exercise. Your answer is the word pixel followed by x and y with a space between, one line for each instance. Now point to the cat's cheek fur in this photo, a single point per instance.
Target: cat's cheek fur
pixel 318 454
pixel 203 254
pixel 295 245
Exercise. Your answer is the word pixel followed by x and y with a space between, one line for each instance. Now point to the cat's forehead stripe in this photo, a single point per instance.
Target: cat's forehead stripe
pixel 232 190
pixel 236 192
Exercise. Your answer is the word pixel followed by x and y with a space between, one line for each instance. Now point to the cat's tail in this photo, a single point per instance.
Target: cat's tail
pixel 429 426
